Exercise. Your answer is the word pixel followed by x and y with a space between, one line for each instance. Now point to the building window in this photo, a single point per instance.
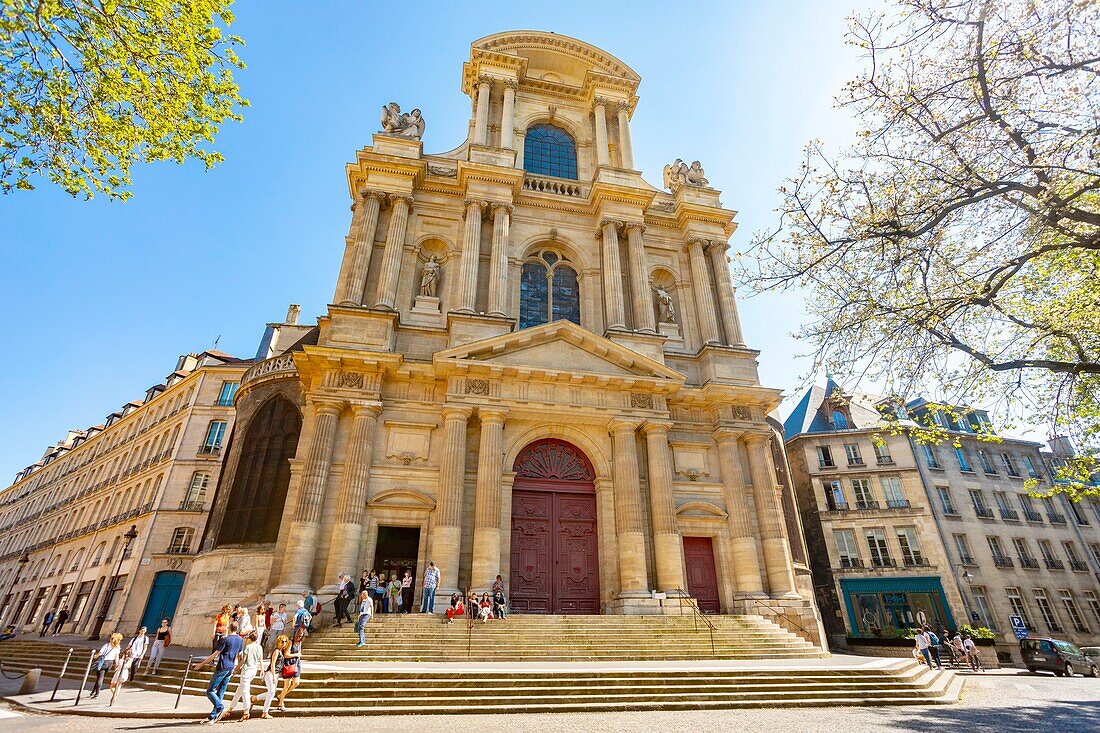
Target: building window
pixel 1006 511
pixel 1046 610
pixel 214 435
pixel 891 489
pixel 1029 509
pixel 1016 603
pixel 847 549
pixel 861 488
pixel 1094 548
pixel 1029 466
pixel 550 151
pixel 228 391
pixel 880 553
pixel 851 450
pixel 882 454
pixel 962 546
pixel 1078 515
pixel 834 496
pixel 181 541
pixel 1047 551
pixel 910 546
pixel 825 457
pixel 196 490
pixel 1053 515
pixel 1023 552
pixel 840 422
pixel 945 501
pixel 1074 613
pixel 1075 561
pixel 987 466
pixel 981 607
pixel 1010 465
pixel 1000 559
pixel 548 290
pixel 930 456
pixel 964 462
pixel 980 509
pixel 1093 603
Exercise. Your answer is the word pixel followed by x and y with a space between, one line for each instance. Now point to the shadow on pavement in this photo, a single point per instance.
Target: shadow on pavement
pixel 1056 716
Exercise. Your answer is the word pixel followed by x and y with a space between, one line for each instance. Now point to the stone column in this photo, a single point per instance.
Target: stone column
pixel 701 286
pixel 602 155
pixel 668 545
pixel 471 253
pixel 612 274
pixel 746 564
pixel 481 114
pixel 769 515
pixel 641 302
pixel 508 115
pixel 446 530
pixel 727 302
pixel 364 224
pixel 633 579
pixel 305 529
pixel 626 148
pixel 391 255
pixel 498 260
pixel 347 531
pixel 486 557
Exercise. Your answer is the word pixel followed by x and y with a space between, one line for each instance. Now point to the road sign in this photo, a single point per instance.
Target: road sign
pixel 1018 626
pixel 921 618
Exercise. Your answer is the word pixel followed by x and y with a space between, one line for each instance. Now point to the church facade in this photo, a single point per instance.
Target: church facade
pixel 532 366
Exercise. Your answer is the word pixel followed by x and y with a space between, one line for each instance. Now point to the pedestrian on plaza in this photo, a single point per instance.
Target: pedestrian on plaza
pixel 162 640
pixel 62 619
pixel 292 667
pixel 394 593
pixel 221 627
pixel 46 624
pixel 922 643
pixel 366 610
pixel 244 622
pixel 457 608
pixel 364 582
pixel 933 645
pixel 310 602
pixel 302 618
pixel 407 592
pixel 958 650
pixel 249 664
pixel 352 595
pixel 229 648
pixel 137 648
pixel 276 627
pixel 274 671
pixel 432 579
pixel 121 674
pixel 972 654
pixel 260 624
pixel 105 659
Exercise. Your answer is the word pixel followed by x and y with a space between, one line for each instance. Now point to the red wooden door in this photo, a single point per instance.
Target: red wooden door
pixel 554 555
pixel 702 578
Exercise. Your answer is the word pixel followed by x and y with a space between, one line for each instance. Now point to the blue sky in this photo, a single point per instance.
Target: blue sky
pixel 101 297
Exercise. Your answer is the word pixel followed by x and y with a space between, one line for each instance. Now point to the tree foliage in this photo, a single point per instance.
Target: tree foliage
pixel 89 87
pixel 954 247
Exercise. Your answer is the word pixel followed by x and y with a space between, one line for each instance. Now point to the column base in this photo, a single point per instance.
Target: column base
pixel 645 605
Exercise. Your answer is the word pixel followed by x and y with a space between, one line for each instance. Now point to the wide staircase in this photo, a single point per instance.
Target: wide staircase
pixel 555 664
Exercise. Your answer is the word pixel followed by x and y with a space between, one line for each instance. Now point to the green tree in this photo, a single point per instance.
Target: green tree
pixel 89 87
pixel 954 248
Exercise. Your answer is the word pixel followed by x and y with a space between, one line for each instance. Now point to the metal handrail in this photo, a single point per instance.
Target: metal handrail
pixel 697 615
pixel 780 612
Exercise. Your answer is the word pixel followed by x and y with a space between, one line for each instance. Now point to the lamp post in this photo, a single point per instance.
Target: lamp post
pixel 23 560
pixel 130 535
pixel 969 578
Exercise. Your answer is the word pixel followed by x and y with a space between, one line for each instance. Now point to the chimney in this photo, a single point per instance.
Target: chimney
pixel 292 314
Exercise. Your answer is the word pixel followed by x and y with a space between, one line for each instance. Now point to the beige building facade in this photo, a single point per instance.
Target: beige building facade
pixel 150 468
pixel 532 366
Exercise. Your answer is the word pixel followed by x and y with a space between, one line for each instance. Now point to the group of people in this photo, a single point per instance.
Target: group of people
pixel 56 620
pixel 386 596
pixel 960 648
pixel 489 606
pixel 124 662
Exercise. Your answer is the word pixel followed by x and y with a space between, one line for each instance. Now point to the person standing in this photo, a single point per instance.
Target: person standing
pixel 364 581
pixel 276 627
pixel 302 618
pixel 251 661
pixel 221 627
pixel 229 648
pixel 62 619
pixel 366 610
pixel 921 640
pixel 46 624
pixel 431 582
pixel 244 623
pixel 312 607
pixel 162 641
pixel 135 652
pixel 972 653
pixel 106 658
pixel 407 592
pixel 395 593
pixel 349 594
pixel 261 624
pixel 274 672
pixel 340 602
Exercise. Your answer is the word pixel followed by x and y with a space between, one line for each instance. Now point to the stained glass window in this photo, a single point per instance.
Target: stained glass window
pixel 567 300
pixel 533 296
pixel 550 151
pixel 548 291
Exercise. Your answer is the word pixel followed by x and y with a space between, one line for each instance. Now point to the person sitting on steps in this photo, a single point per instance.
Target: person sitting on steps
pixel 457 608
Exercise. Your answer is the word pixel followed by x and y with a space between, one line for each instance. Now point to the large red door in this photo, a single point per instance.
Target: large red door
pixel 702 577
pixel 554 556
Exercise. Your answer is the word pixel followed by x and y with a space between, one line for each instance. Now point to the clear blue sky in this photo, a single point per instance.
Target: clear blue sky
pixel 100 297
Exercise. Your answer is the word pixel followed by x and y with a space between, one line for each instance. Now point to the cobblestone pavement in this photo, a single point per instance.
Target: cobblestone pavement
pixel 1003 701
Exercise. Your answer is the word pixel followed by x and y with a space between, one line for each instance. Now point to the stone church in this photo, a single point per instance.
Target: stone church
pixel 532 366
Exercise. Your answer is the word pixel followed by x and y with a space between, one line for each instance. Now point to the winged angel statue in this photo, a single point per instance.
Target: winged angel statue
pixel 681 174
pixel 395 122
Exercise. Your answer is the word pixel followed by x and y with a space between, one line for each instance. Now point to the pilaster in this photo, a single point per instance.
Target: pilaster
pixel 446 531
pixel 769 514
pixel 668 545
pixel 347 529
pixel 612 274
pixel 746 564
pixel 391 256
pixel 486 551
pixel 633 579
pixel 498 260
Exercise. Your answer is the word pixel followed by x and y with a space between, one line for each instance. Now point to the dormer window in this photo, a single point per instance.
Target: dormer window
pixel 550 151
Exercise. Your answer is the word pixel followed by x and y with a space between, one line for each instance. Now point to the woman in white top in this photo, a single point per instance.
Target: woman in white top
pixel 122 673
pixel 244 624
pixel 366 610
pixel 105 659
pixel 274 671
pixel 278 625
pixel 251 663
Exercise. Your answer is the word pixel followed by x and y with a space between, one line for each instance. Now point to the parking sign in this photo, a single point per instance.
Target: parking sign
pixel 1018 626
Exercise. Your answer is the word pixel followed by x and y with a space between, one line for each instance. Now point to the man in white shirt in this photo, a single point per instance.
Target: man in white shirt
pixel 923 642
pixel 137 648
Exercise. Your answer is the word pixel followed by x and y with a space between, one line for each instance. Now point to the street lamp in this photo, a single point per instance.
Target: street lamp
pixel 967 576
pixel 130 536
pixel 23 560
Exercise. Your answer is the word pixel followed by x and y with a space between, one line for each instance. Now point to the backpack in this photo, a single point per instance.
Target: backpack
pixel 935 640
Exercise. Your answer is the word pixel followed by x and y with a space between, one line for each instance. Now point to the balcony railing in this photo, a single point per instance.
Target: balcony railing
pixel 1056 518
pixel 916 561
pixel 192 506
pixel 869 504
pixel 1002 562
pixel 968 560
pixel 552 185
pixel 1010 514
pixel 1033 516
pixel 839 506
pixel 825 464
pixel 210 450
pixel 1078 566
pixel 280 367
pixel 851 562
pixel 898 503
pixel 1029 562
pixel 883 562
pixel 950 511
pixel 983 512
pixel 1053 564
pixel 855 462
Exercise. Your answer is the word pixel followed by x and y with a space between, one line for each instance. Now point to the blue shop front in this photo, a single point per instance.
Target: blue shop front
pixel 878 606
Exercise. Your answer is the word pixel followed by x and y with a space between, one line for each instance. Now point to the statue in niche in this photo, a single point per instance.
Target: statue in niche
pixel 395 122
pixel 681 174
pixel 665 307
pixel 429 277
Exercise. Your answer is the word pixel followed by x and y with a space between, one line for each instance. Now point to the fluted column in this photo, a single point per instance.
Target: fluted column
pixel 391 255
pixel 471 253
pixel 702 287
pixel 305 529
pixel 626 147
pixel 446 529
pixel 612 274
pixel 498 260
pixel 727 302
pixel 508 115
pixel 746 564
pixel 642 306
pixel 364 224
pixel 481 114
pixel 668 545
pixel 486 556
pixel 347 529
pixel 769 515
pixel 633 579
pixel 602 155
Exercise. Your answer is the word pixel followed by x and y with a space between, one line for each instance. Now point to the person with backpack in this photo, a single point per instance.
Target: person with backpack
pixel 302 619
pixel 933 646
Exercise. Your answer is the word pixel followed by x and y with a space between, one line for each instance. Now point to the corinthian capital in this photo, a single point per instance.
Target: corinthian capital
pixel 396 198
pixel 636 225
pixel 480 205
pixel 484 79
pixel 500 206
pixel 693 242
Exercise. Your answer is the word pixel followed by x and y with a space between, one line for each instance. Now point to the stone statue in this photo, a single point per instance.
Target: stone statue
pixel 665 306
pixel 681 174
pixel 695 175
pixel 394 122
pixel 429 277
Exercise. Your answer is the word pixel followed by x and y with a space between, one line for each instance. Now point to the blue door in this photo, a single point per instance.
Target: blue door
pixel 163 597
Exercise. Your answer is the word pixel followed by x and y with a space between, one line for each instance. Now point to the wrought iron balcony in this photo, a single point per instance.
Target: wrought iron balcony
pixel 898 503
pixel 1010 514
pixel 1056 518
pixel 851 562
pixel 1002 561
pixel 983 512
pixel 968 560
pixel 1029 562
pixel 883 562
pixel 1078 566
pixel 210 450
pixel 1053 564
pixel 870 504
pixel 1033 516
pixel 192 506
pixel 916 561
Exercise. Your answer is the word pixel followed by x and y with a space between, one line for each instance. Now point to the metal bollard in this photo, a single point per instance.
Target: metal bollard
pixel 186 672
pixel 84 681
pixel 61 676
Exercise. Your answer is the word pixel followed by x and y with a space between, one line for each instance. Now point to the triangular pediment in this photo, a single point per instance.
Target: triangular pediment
pixel 561 346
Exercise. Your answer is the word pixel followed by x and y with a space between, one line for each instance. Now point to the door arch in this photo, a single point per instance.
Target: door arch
pixel 163 598
pixel 554 547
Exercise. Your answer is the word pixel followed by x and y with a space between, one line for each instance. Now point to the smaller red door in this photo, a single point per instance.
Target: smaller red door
pixel 702 578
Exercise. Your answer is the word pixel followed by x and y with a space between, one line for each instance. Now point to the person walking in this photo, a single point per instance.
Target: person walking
pixel 121 674
pixel 340 602
pixel 922 643
pixel 431 582
pixel 274 672
pixel 276 628
pixel 972 654
pixel 302 618
pixel 46 621
pixel 407 592
pixel 162 640
pixel 221 627
pixel 229 648
pixel 366 610
pixel 136 651
pixel 933 646
pixel 62 619
pixel 350 597
pixel 250 662
pixel 105 659
pixel 395 593
pixel 292 667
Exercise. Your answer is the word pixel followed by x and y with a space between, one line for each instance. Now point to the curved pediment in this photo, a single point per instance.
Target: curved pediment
pixel 701 510
pixel 551 53
pixel 402 499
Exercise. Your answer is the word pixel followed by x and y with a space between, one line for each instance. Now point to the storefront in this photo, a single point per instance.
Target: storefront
pixel 881 606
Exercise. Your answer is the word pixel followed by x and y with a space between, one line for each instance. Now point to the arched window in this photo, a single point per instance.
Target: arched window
pixel 840 422
pixel 548 290
pixel 550 151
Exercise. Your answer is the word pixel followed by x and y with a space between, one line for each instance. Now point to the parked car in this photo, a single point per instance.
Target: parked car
pixel 1057 656
pixel 1092 652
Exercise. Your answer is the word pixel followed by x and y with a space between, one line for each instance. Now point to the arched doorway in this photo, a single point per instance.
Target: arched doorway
pixel 555 562
pixel 163 597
